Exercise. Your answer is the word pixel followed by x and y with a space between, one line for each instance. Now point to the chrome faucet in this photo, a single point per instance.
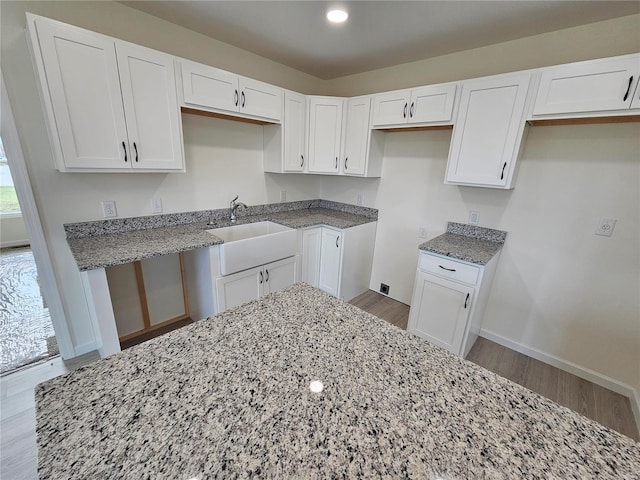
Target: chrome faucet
pixel 233 206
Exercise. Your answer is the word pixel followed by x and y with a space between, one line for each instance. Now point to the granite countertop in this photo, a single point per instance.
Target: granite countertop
pixel 109 249
pixel 229 397
pixel 467 242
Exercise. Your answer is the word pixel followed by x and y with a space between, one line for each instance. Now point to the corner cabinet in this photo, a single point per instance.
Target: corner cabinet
pixel 209 88
pixel 420 106
pixel 110 105
pixel 448 301
pixel 341 141
pixel 488 131
pixel 585 89
pixel 337 261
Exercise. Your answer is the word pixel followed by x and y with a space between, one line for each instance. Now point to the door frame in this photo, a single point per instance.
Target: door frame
pixel 31 217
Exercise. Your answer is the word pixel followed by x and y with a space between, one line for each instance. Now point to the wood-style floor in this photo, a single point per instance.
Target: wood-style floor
pixel 593 401
pixel 18 453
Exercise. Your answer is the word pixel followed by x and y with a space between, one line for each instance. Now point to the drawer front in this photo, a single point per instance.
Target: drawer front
pixel 451 269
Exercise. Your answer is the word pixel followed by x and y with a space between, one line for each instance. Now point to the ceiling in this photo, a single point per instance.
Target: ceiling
pixel 378 33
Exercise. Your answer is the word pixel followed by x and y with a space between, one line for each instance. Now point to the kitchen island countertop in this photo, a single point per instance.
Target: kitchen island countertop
pixel 229 397
pixel 106 250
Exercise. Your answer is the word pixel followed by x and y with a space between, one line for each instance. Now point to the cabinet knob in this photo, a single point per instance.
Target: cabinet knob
pixel 124 147
pixel 626 95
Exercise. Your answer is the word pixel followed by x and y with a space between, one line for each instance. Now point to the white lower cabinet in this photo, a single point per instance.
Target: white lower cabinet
pixel 448 302
pixel 210 292
pixel 242 287
pixel 337 261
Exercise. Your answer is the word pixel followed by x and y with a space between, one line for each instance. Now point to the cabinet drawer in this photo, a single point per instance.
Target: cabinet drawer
pixel 456 271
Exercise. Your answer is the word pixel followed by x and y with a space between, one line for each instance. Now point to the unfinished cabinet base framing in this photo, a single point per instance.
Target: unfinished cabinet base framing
pixel 148 295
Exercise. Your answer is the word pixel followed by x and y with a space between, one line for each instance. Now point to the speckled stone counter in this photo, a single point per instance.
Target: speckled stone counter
pixel 101 244
pixel 229 397
pixel 467 242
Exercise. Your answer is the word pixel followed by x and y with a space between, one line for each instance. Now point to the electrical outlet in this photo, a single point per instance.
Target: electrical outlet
pixel 360 199
pixel 384 289
pixel 606 226
pixel 109 209
pixel 283 196
pixel 474 218
pixel 422 232
pixel 156 205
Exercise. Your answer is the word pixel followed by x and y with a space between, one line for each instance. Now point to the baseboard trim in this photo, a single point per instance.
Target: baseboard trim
pixel 577 370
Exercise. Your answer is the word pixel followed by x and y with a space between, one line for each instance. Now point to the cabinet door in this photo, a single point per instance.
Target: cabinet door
pixel 209 87
pixel 239 288
pixel 488 131
pixel 331 261
pixel 311 243
pixel 432 104
pixel 84 87
pixel 151 109
pixel 260 99
pixel 325 128
pixel 356 136
pixel 440 311
pixel 295 120
pixel 391 108
pixel 588 87
pixel 279 275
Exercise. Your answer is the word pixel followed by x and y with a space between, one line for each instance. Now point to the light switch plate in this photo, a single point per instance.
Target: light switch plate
pixel 109 209
pixel 360 199
pixel 606 226
pixel 474 218
pixel 422 232
pixel 283 196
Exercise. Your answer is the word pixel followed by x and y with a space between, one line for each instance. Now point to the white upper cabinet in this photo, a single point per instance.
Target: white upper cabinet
pixel 325 131
pixel 356 136
pixel 419 106
pixel 488 131
pixel 578 89
pixel 151 109
pixel 295 132
pixel 110 105
pixel 340 138
pixel 209 88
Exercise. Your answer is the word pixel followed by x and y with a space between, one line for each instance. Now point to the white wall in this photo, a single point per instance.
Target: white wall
pixel 12 231
pixel 559 288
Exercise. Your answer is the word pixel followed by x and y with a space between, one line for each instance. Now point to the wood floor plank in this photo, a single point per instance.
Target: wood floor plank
pixel 614 411
pixel 542 379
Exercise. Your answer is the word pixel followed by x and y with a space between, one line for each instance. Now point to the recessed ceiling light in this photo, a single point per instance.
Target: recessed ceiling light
pixel 337 16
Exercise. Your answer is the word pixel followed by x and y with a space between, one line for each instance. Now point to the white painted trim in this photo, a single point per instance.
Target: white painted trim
pixel 103 321
pixel 582 372
pixel 18 168
pixel 86 348
pixel 17 243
